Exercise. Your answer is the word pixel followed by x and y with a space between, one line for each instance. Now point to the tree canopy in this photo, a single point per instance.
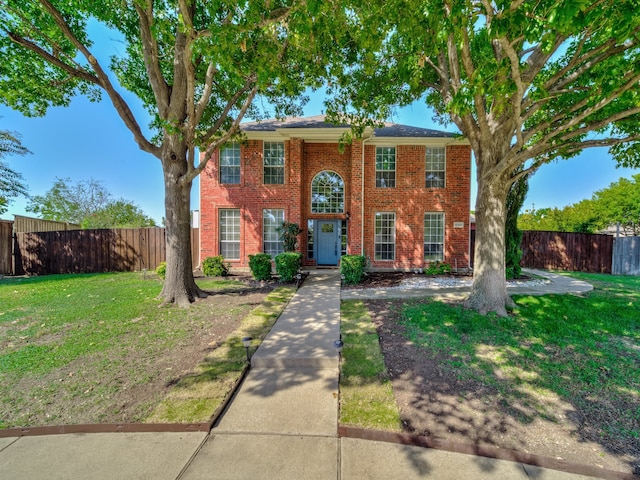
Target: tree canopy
pixel 196 65
pixel 619 203
pixel 88 204
pixel 525 82
pixel 11 182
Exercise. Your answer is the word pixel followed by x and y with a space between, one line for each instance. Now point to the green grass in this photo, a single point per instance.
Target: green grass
pixel 78 340
pixel 583 350
pixel 366 394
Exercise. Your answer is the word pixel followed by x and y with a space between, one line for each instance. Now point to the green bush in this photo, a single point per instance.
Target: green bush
pixel 260 265
pixel 287 265
pixel 352 268
pixel 215 267
pixel 289 232
pixel 161 269
pixel 437 268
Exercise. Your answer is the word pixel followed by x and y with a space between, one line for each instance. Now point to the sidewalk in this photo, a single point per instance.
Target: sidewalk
pixel 282 424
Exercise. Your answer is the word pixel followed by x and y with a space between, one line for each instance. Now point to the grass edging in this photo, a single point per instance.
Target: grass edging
pixel 213 382
pixel 366 394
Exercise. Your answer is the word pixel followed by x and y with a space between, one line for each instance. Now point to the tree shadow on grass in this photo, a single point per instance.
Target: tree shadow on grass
pixel 559 378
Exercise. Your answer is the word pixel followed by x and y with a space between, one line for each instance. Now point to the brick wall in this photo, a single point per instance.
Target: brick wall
pixel 409 200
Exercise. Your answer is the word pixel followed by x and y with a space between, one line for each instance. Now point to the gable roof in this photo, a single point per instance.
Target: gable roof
pixel 316 128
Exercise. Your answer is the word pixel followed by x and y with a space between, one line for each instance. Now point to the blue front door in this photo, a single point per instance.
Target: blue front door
pixel 328 238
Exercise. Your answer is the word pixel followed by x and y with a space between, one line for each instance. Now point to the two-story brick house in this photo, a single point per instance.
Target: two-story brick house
pixel 400 195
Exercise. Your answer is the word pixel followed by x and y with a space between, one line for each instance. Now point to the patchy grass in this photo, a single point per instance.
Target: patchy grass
pixel 366 395
pixel 583 350
pixel 194 397
pixel 97 348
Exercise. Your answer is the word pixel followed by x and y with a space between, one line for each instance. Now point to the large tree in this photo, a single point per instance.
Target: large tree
pixel 525 81
pixel 11 181
pixel 196 65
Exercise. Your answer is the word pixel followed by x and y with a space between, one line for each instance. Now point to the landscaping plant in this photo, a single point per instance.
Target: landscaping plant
pixel 352 268
pixel 260 266
pixel 288 264
pixel 215 267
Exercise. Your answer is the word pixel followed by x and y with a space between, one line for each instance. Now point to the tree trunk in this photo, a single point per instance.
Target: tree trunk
pixel 179 285
pixel 489 288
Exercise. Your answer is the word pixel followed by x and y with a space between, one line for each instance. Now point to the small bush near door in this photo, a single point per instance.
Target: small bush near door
pixel 352 268
pixel 287 265
pixel 215 267
pixel 260 266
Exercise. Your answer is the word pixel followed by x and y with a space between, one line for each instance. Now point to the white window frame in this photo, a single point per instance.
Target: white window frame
pixel 273 163
pixel 436 152
pixel 384 238
pixel 383 176
pixel 234 149
pixel 229 235
pixel 436 220
pixel 271 240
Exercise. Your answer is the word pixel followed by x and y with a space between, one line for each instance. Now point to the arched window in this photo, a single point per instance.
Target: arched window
pixel 327 193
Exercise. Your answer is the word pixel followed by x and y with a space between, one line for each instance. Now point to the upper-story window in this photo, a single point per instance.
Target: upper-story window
pixel 385 167
pixel 436 167
pixel 230 163
pixel 327 193
pixel 273 163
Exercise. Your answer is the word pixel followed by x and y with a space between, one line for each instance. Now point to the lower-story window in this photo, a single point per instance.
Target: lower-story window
pixel 230 233
pixel 434 237
pixel 272 218
pixel 385 236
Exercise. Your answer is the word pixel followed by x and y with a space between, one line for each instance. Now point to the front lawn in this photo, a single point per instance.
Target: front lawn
pixel 97 348
pixel 559 377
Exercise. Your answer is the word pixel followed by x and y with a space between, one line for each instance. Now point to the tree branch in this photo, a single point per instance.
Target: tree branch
pixel 152 58
pixel 118 102
pixel 235 127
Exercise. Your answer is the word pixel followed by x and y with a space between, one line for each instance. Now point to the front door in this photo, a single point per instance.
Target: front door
pixel 329 245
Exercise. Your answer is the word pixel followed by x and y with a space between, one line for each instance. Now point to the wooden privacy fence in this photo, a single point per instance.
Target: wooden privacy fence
pixel 626 256
pixel 6 232
pixel 90 251
pixel 578 252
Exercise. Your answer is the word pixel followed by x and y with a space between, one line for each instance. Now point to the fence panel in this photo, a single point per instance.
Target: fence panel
pixel 626 256
pixel 90 251
pixel 6 242
pixel 578 252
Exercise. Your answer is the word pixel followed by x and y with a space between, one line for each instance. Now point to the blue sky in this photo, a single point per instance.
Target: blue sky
pixel 89 141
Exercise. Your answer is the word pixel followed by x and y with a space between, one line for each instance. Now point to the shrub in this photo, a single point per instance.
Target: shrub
pixel 161 269
pixel 260 265
pixel 215 267
pixel 437 268
pixel 289 232
pixel 352 268
pixel 287 265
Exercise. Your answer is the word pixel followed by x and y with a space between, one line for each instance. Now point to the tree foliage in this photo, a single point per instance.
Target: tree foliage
pixel 88 204
pixel 11 182
pixel 619 203
pixel 196 65
pixel 525 82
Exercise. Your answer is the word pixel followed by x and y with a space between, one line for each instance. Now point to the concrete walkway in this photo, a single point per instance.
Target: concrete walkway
pixel 282 424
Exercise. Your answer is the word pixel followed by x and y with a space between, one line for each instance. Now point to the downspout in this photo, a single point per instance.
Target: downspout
pixel 362 195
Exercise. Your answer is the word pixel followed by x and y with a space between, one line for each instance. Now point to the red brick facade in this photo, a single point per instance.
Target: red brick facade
pixel 409 200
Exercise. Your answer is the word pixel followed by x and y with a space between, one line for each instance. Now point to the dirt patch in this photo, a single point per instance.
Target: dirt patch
pixel 92 392
pixel 434 402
